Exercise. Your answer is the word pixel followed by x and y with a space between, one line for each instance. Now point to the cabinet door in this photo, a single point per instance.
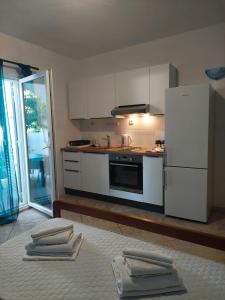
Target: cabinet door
pixel 161 78
pixel 132 87
pixel 72 179
pixel 78 95
pixel 95 173
pixel 186 193
pixel 153 180
pixel 101 96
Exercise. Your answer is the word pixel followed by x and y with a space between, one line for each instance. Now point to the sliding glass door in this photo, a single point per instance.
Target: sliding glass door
pixel 35 93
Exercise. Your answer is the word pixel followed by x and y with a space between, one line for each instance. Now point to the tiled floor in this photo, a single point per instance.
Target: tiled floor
pixel 216 223
pixel 26 220
pixel 30 217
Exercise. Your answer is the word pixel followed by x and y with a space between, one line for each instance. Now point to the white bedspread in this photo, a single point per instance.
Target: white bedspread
pixel 90 276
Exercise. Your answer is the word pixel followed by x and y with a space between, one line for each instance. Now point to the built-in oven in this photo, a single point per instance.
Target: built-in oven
pixel 126 173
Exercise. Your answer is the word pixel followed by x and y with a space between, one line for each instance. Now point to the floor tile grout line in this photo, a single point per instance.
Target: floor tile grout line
pixel 13 225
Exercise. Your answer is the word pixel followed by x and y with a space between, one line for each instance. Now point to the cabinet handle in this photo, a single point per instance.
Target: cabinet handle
pixel 69 160
pixel 69 170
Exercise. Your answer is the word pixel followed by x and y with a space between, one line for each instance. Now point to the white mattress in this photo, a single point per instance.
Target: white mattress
pixel 90 276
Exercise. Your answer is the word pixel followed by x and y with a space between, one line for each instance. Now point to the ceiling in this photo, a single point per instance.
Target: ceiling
pixel 82 28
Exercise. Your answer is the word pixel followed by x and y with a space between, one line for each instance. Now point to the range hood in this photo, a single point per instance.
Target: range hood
pixel 130 109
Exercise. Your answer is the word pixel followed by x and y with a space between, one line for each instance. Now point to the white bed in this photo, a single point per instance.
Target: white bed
pixel 90 277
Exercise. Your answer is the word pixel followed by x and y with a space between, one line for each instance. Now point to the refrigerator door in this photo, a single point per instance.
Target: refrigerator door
pixel 186 126
pixel 186 193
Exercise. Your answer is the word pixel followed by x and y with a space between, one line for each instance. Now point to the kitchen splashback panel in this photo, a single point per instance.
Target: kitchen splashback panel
pixel 144 131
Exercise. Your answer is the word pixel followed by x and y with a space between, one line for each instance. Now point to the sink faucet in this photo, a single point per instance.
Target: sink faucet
pixel 108 139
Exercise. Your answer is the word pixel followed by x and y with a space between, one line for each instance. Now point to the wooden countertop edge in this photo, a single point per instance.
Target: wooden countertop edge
pixel 190 235
pixel 105 151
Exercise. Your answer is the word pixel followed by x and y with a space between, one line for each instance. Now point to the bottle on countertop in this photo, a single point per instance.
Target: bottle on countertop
pixel 93 142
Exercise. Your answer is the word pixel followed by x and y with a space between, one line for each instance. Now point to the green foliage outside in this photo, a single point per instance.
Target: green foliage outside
pixel 35 110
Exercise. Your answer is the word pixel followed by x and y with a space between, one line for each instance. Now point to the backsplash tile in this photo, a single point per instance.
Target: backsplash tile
pixel 144 131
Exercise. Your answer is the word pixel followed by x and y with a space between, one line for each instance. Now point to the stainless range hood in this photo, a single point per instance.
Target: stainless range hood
pixel 130 109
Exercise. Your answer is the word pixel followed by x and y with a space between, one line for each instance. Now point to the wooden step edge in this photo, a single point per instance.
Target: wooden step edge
pixel 190 235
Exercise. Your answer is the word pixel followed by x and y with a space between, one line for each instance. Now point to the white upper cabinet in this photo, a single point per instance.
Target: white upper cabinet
pixel 78 95
pixel 161 78
pixel 96 97
pixel 132 87
pixel 101 96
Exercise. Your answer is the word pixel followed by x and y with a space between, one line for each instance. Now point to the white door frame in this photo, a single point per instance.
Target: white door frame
pixel 51 145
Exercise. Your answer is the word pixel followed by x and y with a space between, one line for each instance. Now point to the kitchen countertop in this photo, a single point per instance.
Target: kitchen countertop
pixel 115 150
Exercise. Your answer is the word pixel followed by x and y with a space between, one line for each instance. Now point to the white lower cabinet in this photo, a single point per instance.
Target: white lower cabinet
pixel 95 173
pixel 153 180
pixel 72 179
pixel 72 170
pixel 89 172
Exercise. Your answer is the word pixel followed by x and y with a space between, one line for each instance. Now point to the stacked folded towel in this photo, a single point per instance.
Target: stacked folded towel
pixel 58 243
pixel 142 273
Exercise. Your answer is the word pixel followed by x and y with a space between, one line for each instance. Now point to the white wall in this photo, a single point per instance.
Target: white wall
pixel 63 68
pixel 192 53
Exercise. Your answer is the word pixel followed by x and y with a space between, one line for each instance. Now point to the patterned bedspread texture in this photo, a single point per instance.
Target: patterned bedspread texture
pixel 90 276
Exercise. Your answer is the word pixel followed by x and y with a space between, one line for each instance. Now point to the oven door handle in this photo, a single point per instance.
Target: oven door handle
pixel 125 165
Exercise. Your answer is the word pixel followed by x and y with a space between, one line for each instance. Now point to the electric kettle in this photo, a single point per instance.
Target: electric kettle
pixel 125 140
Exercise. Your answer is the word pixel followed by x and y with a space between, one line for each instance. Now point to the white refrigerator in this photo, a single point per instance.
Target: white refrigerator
pixel 189 151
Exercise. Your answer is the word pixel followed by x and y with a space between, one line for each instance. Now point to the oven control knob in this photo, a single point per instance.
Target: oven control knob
pixel 130 159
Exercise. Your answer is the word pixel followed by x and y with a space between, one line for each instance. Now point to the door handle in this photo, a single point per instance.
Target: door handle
pixel 46 147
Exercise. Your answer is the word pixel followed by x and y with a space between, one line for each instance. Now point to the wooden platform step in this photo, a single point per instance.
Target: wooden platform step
pixel 194 236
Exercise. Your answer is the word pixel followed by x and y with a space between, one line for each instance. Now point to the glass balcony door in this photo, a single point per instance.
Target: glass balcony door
pixel 36 109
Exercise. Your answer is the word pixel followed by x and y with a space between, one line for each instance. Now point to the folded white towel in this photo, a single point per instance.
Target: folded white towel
pixel 149 260
pixel 138 286
pixel 56 257
pixel 153 255
pixel 137 267
pixel 51 231
pixel 63 249
pixel 58 238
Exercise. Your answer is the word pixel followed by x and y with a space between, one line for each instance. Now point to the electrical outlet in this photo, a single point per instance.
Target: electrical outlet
pixel 131 122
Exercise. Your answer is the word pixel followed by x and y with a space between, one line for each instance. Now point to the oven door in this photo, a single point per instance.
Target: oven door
pixel 126 176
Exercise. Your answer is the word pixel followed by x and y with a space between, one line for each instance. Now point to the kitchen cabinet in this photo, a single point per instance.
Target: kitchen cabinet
pixel 95 173
pixel 101 96
pixel 153 180
pixel 132 87
pixel 89 172
pixel 78 97
pixel 95 97
pixel 72 170
pixel 161 78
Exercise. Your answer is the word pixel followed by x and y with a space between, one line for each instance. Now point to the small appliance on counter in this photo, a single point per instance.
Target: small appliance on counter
pixel 79 143
pixel 126 140
pixel 159 146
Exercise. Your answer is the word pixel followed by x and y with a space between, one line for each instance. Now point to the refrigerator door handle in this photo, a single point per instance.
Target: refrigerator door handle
pixel 165 157
pixel 165 179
